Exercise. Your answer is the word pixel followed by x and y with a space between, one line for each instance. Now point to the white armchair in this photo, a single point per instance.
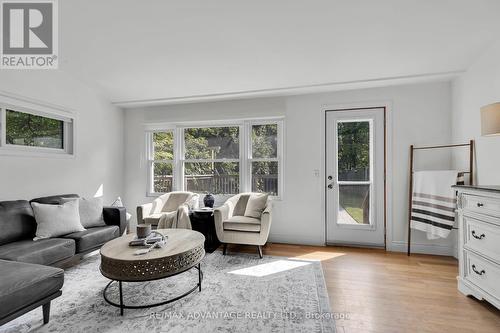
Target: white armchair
pixel 233 227
pixel 171 206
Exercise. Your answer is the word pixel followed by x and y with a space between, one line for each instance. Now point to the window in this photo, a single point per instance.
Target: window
pixel 221 159
pixel 264 160
pixel 212 158
pixel 161 165
pixel 26 131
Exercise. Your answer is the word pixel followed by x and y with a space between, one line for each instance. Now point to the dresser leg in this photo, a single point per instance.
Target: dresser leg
pixel 224 249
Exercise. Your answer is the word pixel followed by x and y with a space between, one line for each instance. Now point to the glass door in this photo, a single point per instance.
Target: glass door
pixel 355 177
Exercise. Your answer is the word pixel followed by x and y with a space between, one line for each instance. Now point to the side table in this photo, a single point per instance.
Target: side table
pixel 203 221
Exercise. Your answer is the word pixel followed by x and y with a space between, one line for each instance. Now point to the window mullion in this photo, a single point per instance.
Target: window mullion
pixel 178 158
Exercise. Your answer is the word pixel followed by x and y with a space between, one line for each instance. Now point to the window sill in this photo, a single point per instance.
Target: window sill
pixel 21 152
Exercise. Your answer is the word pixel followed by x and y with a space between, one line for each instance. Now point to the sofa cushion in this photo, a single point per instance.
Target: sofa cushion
pixel 54 199
pixel 56 220
pixel 43 251
pixel 24 284
pixel 90 211
pixel 17 221
pixel 93 237
pixel 242 223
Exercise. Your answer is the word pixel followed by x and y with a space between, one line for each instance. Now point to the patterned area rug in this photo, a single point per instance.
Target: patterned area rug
pixel 240 293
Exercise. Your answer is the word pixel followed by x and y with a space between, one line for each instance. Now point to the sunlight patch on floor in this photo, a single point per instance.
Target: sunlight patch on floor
pixel 270 268
pixel 319 256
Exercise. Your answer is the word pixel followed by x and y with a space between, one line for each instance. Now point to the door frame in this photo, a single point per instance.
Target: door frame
pixel 388 211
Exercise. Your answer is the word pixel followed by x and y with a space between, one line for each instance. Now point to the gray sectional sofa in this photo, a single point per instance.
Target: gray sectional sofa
pixel 29 272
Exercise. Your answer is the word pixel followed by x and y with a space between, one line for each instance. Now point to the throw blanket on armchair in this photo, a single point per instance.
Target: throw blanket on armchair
pixel 175 220
pixel 434 202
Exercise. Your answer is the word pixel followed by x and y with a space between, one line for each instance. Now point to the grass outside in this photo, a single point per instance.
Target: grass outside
pixel 356 213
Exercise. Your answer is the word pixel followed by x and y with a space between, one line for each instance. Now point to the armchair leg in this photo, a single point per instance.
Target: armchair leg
pixel 224 249
pixel 46 312
pixel 260 251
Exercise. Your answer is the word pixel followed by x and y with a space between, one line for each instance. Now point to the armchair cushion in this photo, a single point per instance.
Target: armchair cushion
pixel 174 200
pixel 242 223
pixel 153 219
pixel 241 205
pixel 256 205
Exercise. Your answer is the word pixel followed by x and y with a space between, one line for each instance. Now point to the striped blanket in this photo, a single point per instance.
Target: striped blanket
pixel 434 202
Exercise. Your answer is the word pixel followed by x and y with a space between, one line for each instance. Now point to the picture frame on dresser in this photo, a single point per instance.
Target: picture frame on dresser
pixel 478 213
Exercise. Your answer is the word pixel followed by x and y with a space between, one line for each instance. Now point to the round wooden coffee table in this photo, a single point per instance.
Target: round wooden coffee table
pixel 184 250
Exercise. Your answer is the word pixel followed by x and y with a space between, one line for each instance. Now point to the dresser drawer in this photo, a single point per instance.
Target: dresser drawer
pixel 482 273
pixel 479 204
pixel 482 237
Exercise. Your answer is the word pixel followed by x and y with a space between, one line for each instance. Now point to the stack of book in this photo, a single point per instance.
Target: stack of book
pixel 151 239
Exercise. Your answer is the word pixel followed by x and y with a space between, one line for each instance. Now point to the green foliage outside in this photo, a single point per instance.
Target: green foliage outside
pixel 353 150
pixel 353 165
pixel 29 130
pixel 218 143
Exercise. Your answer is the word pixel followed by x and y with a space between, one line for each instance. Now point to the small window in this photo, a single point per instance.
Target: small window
pixel 34 129
pixel 24 129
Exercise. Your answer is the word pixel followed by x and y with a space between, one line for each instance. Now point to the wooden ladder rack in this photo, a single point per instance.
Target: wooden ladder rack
pixel 470 144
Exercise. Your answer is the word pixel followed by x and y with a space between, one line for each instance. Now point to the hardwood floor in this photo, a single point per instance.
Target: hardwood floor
pixel 390 292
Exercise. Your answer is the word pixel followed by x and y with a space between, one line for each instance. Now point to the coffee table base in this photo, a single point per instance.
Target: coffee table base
pixel 145 306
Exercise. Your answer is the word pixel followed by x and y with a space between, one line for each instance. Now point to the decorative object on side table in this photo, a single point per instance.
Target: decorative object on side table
pixel 202 220
pixel 209 200
pixel 143 230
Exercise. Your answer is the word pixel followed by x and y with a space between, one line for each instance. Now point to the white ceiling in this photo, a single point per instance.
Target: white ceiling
pixel 165 50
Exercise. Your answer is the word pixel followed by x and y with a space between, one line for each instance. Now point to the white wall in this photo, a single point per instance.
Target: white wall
pixel 99 141
pixel 479 86
pixel 420 114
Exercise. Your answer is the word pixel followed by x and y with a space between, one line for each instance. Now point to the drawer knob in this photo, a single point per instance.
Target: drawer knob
pixel 478 272
pixel 479 204
pixel 476 236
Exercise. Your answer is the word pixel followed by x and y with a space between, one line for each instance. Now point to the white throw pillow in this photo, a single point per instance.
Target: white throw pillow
pixel 256 205
pixel 56 220
pixel 119 203
pixel 90 211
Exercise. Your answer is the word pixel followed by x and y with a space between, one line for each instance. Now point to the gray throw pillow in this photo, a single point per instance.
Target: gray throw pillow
pixel 241 205
pixel 90 211
pixel 56 220
pixel 256 205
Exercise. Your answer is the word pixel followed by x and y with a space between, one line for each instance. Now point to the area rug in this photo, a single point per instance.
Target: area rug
pixel 240 293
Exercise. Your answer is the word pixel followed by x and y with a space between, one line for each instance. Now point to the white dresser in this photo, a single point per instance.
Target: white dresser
pixel 479 242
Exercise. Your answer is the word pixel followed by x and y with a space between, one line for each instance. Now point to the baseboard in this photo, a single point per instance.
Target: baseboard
pixel 435 249
pixel 289 239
